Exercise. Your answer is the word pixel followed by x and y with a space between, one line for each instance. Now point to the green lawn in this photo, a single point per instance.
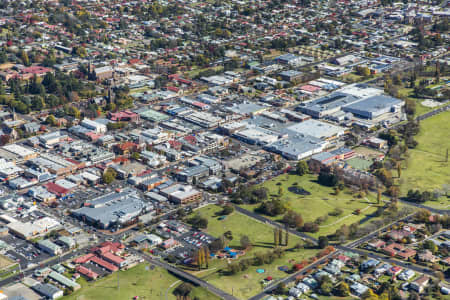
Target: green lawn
pixel 407 92
pixel 426 168
pixel 246 284
pixel 138 281
pixel 321 202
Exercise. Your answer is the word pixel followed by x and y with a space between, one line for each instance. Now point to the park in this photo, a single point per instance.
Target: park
pixel 245 284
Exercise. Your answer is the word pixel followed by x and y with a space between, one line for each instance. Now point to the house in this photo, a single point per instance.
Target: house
pixel 395 270
pixel 303 287
pixel 376 245
pixel 395 249
pixel 370 263
pixel 294 292
pixel 420 283
pixel 398 235
pixel 358 289
pixel 446 261
pixel 382 269
pixel 427 256
pixel 406 275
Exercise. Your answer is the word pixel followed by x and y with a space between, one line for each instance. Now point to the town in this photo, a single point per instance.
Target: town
pixel 270 149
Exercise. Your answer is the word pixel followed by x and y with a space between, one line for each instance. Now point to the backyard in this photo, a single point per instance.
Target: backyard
pixel 247 283
pixel 426 168
pixel 321 202
pixel 142 281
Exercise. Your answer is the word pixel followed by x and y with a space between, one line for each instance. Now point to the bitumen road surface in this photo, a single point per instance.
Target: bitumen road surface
pixel 186 276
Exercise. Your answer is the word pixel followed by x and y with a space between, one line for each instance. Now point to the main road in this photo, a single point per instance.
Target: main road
pixel 186 276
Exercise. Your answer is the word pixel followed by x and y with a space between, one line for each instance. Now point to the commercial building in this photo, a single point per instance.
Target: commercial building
pixel 193 174
pixel 374 107
pixel 47 290
pixel 298 146
pixel 93 126
pixel 113 208
pixel 89 274
pixel 327 105
pixel 256 136
pixel 181 194
pixel 49 247
pixel 203 119
pixel 317 129
pixel 20 153
pixel 63 280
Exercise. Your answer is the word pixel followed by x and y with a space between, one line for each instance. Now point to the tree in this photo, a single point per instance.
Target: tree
pixel 280 236
pixel 327 179
pixel 197 221
pixel 275 237
pixel 323 242
pixel 342 289
pixel 227 209
pixel 109 175
pixel 286 234
pixel 135 155
pixel 399 170
pixel 24 57
pixel 310 227
pixel 326 285
pixel 183 290
pixel 4 139
pixel 74 112
pixel 302 168
pixel 245 242
pixel 293 219
pixel 378 196
pixel 51 120
pixel 280 192
pixel 430 245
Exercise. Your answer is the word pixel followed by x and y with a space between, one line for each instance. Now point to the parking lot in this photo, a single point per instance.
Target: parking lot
pixel 189 243
pixel 23 252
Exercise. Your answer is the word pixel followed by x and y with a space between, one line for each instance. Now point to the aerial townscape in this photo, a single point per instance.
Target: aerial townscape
pixel 224 149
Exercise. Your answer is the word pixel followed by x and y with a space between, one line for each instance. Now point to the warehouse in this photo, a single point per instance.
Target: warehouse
pixel 374 107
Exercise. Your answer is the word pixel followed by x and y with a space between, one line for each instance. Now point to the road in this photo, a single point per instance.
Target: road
pixel 269 289
pixel 406 265
pixel 431 209
pixel 186 276
pixel 30 271
pixel 351 247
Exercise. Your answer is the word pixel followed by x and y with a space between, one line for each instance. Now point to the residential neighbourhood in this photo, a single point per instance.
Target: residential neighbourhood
pixel 276 149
